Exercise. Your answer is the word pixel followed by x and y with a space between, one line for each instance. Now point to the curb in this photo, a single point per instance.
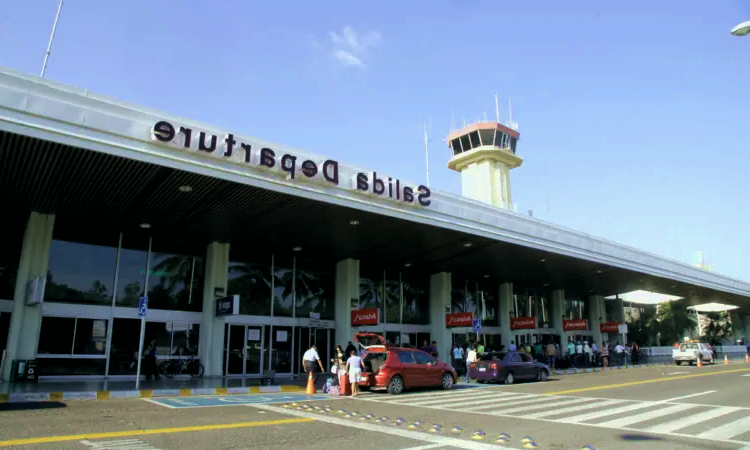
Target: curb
pixel 27 397
pixel 606 369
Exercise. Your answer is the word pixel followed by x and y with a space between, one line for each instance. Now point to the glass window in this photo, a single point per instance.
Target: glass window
pixel 424 358
pixel 575 307
pixel 393 299
pixel 252 281
pixel 90 337
pixel 185 338
pixel 56 336
pixel 71 366
pixel 523 303
pixel 126 334
pixel 406 357
pixel 132 273
pixel 525 358
pixel 487 303
pixel 472 303
pixel 160 333
pixel 393 337
pixel 11 254
pixel 416 302
pixel 175 278
pixel 281 346
pixel 4 328
pixel 371 290
pixel 543 310
pixel 492 356
pixel 173 338
pixel 283 286
pixel 81 267
pixel 315 289
pixel 488 136
pixel 458 296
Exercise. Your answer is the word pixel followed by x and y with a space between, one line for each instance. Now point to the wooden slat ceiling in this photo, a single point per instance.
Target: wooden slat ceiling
pixel 89 189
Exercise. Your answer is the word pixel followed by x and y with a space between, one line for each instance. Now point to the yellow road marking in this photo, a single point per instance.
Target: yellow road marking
pixel 635 383
pixel 111 434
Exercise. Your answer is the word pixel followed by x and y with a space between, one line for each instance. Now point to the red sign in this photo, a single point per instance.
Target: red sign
pixel 522 323
pixel 461 319
pixel 609 327
pixel 575 325
pixel 370 316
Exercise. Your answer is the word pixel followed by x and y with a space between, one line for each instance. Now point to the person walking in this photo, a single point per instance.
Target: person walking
pixel 308 363
pixel 471 357
pixel 458 358
pixel 354 369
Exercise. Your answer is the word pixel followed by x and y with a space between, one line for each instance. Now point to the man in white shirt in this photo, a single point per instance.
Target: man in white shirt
pixel 308 362
pixel 471 357
pixel 619 351
pixel 512 347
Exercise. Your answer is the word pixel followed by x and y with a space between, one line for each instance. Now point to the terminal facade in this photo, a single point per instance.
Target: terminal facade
pixel 248 252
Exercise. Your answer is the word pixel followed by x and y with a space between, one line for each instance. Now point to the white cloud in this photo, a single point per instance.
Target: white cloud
pixel 350 48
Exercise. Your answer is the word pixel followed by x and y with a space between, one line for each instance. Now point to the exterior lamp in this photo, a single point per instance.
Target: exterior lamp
pixel 742 29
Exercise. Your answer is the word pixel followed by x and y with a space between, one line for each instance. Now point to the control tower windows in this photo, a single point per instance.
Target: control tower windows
pixel 465 143
pixel 513 142
pixel 474 136
pixel 488 137
pixel 456 146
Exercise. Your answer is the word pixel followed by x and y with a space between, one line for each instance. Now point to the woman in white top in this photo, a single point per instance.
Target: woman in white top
pixel 471 357
pixel 354 369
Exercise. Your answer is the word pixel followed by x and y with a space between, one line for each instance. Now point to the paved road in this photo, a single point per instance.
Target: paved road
pixel 664 408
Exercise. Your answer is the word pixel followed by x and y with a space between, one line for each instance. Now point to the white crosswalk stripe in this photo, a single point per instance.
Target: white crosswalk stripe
pixel 676 416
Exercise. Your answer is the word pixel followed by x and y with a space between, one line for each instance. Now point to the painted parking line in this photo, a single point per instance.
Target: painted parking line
pixel 636 383
pixel 213 401
pixel 129 433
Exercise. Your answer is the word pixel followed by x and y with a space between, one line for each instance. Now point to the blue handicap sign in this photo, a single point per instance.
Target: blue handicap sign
pixel 229 400
pixel 476 325
pixel 142 306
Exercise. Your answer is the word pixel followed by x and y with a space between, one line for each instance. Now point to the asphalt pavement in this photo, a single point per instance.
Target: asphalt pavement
pixel 663 408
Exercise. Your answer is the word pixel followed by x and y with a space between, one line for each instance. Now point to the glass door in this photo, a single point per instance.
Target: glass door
pixel 281 349
pixel 321 341
pixel 244 354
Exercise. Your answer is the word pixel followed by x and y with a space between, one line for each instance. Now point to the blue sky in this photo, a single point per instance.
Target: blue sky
pixel 633 116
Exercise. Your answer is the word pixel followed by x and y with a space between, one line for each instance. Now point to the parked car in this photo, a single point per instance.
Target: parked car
pixel 507 367
pixel 397 368
pixel 689 352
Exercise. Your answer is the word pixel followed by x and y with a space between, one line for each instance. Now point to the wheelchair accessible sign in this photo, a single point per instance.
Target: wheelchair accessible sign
pixel 212 401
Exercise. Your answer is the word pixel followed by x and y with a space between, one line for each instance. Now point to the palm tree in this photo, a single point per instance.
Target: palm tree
pixel 718 328
pixel 175 280
pixel 253 282
pixel 370 293
pixel 674 319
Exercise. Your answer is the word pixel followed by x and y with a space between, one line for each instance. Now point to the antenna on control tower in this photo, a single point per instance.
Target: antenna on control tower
pixel 497 110
pixel 426 151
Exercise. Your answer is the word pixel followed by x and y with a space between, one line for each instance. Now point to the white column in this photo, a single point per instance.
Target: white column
pixel 347 288
pixel 26 321
pixel 505 301
pixel 558 309
pixel 212 328
pixel 595 312
pixel 440 302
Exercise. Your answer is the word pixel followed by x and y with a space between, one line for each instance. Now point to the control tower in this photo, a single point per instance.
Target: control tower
pixel 484 153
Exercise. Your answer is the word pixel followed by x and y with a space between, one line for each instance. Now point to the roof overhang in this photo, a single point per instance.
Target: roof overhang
pixel 117 136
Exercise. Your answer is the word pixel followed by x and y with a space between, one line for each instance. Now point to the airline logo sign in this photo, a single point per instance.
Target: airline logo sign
pixel 575 325
pixel 461 319
pixel 370 316
pixel 523 323
pixel 609 327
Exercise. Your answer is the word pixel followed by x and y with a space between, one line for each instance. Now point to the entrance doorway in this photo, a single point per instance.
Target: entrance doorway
pixel 244 350
pixel 305 337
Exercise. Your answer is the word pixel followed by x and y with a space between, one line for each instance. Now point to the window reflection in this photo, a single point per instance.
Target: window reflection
pixel 11 254
pixel 575 307
pixel 371 293
pixel 487 303
pixel 71 336
pixel 416 300
pixel 252 282
pixel 472 302
pixel 132 274
pixel 174 279
pixel 315 289
pixel 81 267
pixel 392 298
pixel 283 291
pixel 543 310
pixel 523 303
pixel 458 295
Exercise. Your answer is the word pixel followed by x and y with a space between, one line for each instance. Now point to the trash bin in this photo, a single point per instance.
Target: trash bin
pixel 18 371
pixel 32 371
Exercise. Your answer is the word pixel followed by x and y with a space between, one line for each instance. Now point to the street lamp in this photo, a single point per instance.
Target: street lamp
pixel 742 29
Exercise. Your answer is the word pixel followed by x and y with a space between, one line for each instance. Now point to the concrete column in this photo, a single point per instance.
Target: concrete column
pixel 440 302
pixel 212 328
pixel 595 312
pixel 618 311
pixel 26 321
pixel 558 309
pixel 347 288
pixel 505 302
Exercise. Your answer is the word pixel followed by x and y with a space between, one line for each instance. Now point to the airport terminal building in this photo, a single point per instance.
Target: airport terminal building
pixel 247 251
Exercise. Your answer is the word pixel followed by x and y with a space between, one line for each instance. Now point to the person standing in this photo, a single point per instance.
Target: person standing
pixel 620 354
pixel 605 354
pixel 551 351
pixel 354 369
pixel 308 362
pixel 458 358
pixel 471 357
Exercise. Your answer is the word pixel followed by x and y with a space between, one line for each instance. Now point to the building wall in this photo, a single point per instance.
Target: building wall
pixel 89 324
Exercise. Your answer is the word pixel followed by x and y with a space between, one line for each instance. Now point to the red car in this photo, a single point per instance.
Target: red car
pixel 398 368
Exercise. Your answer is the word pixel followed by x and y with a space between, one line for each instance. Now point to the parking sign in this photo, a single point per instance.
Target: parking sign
pixel 142 306
pixel 476 325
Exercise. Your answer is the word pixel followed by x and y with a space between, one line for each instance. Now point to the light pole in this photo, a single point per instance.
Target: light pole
pixel 51 38
pixel 742 29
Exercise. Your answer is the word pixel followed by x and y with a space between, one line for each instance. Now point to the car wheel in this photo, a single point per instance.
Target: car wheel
pixel 679 363
pixel 509 379
pixel 396 386
pixel 711 361
pixel 447 382
pixel 542 376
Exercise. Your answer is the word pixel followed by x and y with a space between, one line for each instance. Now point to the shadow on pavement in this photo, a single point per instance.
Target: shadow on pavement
pixel 639 437
pixel 31 406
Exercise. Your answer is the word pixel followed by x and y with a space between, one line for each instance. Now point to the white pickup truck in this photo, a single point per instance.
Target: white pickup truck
pixel 690 351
